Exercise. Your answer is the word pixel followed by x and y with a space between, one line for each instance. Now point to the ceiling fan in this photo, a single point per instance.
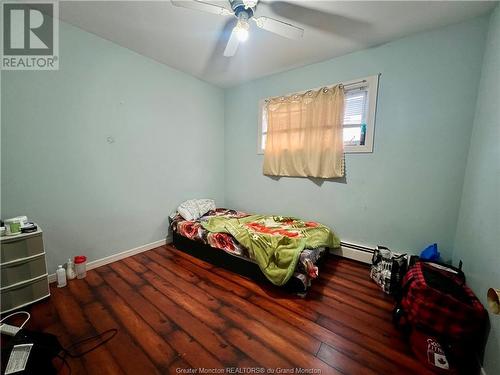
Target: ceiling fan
pixel 244 11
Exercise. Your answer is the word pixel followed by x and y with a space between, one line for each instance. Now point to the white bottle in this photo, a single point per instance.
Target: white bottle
pixel 70 270
pixel 61 276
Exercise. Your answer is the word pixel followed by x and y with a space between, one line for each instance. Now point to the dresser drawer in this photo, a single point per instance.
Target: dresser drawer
pixel 12 250
pixel 24 294
pixel 22 271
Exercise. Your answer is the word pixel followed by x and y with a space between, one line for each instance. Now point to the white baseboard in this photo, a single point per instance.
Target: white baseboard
pixel 118 256
pixel 346 252
pixel 359 255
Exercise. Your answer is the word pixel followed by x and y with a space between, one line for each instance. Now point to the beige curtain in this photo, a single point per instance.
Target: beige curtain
pixel 304 134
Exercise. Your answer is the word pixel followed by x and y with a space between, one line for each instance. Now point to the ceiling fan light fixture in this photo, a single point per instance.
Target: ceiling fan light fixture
pixel 244 11
pixel 241 30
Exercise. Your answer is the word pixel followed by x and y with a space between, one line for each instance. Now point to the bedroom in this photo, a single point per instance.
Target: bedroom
pixel 143 112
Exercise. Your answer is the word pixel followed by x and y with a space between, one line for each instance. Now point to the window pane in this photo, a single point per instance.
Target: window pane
pixel 355 107
pixel 355 115
pixel 352 136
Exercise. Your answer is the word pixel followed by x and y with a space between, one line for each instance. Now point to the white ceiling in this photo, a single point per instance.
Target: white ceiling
pixel 194 42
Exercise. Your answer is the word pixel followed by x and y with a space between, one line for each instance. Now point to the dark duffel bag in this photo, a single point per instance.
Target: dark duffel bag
pixel 434 296
pixel 435 301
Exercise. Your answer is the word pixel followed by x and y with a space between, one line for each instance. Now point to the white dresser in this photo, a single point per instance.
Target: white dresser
pixel 24 278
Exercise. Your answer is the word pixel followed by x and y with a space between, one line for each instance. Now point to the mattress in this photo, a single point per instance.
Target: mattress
pixel 305 271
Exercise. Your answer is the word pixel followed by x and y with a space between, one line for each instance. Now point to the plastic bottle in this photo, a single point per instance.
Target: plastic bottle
pixel 70 270
pixel 362 135
pixel 61 276
pixel 80 266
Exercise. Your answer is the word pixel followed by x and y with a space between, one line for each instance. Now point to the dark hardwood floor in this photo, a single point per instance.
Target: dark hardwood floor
pixel 174 312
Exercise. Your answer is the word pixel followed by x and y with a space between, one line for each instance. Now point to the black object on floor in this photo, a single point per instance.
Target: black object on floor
pixel 45 348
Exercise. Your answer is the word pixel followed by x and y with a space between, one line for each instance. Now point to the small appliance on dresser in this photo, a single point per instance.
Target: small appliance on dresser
pixel 24 277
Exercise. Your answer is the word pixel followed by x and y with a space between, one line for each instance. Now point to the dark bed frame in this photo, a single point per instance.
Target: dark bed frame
pixel 232 263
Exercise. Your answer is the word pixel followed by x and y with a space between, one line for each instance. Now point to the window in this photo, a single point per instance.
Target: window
pixel 359 116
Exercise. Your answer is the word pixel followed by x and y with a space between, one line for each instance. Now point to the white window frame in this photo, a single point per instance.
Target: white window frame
pixel 371 82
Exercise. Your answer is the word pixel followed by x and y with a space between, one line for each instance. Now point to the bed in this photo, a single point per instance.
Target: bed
pixel 213 238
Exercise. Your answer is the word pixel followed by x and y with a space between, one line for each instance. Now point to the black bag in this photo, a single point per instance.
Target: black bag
pixel 388 269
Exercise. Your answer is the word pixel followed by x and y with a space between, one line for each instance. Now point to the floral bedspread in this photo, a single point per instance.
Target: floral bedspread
pixel 306 267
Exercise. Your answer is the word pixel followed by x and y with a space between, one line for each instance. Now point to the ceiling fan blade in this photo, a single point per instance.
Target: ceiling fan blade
pixel 346 27
pixel 232 45
pixel 200 5
pixel 279 27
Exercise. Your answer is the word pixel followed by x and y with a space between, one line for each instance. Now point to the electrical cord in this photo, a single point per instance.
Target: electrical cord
pixel 64 362
pixel 69 352
pixel 16 313
pixel 66 352
pixel 113 332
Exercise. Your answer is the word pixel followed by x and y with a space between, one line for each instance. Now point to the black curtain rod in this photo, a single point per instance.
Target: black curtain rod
pixel 354 83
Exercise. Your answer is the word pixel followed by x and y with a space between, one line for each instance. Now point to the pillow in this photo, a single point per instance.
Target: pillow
pixel 193 209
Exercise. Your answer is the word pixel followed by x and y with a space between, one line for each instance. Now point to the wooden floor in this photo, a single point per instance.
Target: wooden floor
pixel 174 311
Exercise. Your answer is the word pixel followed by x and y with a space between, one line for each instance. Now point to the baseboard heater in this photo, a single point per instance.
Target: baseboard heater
pixel 354 251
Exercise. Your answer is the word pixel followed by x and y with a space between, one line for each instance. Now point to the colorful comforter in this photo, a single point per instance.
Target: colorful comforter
pixel 274 242
pixel 283 247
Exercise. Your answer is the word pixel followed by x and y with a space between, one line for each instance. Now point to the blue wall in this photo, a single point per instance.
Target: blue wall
pixel 90 196
pixel 406 193
pixel 478 231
